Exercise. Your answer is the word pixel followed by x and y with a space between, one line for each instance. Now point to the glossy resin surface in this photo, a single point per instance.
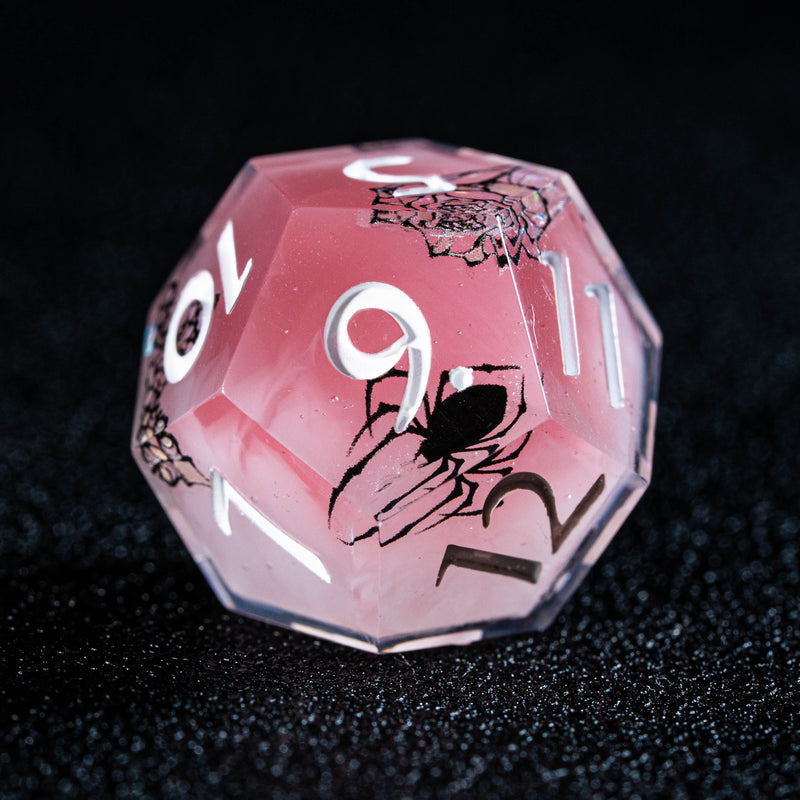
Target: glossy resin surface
pixel 398 395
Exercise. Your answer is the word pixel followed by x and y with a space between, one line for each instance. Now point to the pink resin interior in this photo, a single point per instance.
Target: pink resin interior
pixel 356 532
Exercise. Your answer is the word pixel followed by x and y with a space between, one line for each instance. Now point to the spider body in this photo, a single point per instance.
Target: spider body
pixel 462 420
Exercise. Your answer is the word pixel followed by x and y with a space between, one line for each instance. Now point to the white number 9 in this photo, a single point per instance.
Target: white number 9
pixel 416 338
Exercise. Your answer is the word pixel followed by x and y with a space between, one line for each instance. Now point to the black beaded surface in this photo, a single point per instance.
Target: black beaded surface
pixel 673 672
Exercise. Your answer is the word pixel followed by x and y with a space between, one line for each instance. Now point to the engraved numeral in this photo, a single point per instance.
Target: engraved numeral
pixel 223 494
pixel 485 561
pixel 565 308
pixel 363 170
pixel 511 566
pixel 539 486
pixel 608 325
pixel 200 288
pixel 231 282
pixel 416 339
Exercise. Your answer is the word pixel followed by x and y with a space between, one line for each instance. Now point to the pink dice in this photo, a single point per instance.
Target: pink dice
pixel 398 395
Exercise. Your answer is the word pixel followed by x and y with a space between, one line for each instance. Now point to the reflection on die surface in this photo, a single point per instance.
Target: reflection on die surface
pixel 398 395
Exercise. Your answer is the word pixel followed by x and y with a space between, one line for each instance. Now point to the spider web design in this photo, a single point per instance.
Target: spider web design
pixel 158 447
pixel 499 212
pixel 461 441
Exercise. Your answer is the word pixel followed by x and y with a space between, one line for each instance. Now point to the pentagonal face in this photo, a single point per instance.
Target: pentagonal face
pixel 437 403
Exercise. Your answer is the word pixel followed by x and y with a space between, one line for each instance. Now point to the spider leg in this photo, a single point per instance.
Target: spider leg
pixel 481 468
pixel 490 460
pixel 494 457
pixel 478 469
pixel 460 481
pixel 357 469
pixel 457 491
pixel 382 410
pixel 439 470
pixel 427 407
pixel 494 368
pixel 444 379
pixel 386 408
pixel 371 532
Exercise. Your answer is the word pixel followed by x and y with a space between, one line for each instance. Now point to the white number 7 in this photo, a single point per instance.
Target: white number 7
pixel 223 494
pixel 355 363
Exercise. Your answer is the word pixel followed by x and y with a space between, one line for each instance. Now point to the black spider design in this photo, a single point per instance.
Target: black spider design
pixel 464 426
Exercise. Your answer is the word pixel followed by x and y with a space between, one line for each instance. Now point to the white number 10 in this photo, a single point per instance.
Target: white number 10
pixel 200 288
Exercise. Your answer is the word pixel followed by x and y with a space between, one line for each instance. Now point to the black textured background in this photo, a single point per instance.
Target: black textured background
pixel 674 670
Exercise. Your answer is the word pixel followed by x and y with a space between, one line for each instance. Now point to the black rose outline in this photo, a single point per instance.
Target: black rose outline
pixel 159 449
pixel 500 213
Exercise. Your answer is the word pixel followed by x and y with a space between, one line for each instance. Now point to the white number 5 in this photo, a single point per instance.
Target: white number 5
pixel 355 363
pixel 363 170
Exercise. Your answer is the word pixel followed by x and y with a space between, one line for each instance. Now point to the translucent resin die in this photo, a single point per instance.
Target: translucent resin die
pixel 398 395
